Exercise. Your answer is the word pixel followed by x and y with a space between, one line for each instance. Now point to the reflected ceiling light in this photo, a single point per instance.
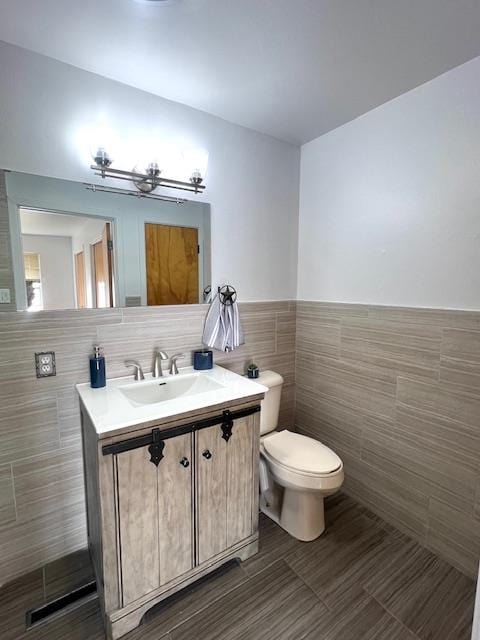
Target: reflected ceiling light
pixel 148 179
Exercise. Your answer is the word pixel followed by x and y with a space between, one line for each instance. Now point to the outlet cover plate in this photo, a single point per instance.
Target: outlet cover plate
pixel 45 364
pixel 5 297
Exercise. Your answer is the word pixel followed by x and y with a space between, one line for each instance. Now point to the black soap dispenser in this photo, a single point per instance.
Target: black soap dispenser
pixel 98 377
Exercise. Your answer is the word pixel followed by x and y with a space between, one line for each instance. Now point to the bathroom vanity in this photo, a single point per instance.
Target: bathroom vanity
pixel 171 476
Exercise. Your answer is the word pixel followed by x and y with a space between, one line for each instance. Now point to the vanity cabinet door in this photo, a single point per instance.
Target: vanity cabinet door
pixel 225 486
pixel 175 507
pixel 137 523
pixel 155 524
pixel 211 493
pixel 240 481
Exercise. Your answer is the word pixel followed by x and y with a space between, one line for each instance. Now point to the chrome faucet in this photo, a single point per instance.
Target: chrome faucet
pixel 173 363
pixel 138 374
pixel 158 356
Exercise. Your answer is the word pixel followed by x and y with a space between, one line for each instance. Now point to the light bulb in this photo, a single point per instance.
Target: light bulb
pixel 196 177
pixel 102 158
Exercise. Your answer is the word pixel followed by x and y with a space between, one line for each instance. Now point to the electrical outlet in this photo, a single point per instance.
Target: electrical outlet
pixel 5 296
pixel 45 364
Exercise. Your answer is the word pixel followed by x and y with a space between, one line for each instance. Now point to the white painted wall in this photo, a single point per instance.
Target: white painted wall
pixel 56 269
pixel 390 203
pixel 252 180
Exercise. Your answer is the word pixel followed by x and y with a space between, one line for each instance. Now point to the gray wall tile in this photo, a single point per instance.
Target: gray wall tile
pixel 42 513
pixel 396 391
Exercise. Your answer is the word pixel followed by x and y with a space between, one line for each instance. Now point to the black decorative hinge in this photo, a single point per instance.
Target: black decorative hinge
pixel 227 425
pixel 156 448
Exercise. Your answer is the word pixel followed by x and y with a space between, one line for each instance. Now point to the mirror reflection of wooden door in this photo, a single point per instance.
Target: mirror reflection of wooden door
pixel 171 255
pixel 80 280
pixel 103 269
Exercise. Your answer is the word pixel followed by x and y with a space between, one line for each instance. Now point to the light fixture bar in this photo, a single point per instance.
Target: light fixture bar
pixel 158 181
pixel 136 194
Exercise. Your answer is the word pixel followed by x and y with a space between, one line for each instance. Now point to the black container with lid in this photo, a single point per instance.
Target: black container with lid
pixel 203 359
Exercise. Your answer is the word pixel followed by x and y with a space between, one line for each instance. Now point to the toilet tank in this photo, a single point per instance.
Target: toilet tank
pixel 271 403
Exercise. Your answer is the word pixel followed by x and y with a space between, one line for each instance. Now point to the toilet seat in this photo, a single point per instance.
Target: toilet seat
pixel 301 454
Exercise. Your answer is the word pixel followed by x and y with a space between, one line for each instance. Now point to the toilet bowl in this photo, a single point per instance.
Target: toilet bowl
pixel 296 472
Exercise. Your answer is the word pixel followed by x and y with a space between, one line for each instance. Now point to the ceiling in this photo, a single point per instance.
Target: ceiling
pixel 46 223
pixel 293 69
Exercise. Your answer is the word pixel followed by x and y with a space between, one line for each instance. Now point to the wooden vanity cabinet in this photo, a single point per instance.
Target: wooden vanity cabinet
pixel 155 522
pixel 167 504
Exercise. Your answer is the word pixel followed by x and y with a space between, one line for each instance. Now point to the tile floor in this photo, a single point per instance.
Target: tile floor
pixel 361 580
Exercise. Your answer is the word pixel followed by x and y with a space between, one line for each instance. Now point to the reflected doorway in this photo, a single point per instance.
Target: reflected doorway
pixel 172 254
pixel 67 260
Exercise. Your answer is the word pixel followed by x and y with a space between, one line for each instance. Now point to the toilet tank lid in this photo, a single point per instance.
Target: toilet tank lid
pixel 270 379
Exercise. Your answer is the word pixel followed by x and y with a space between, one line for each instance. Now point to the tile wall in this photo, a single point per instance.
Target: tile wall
pixel 396 392
pixel 42 512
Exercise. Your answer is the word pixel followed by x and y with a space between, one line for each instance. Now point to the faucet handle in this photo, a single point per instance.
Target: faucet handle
pixel 173 363
pixel 138 375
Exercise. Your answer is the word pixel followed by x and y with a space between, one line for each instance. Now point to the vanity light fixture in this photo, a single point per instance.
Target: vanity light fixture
pixel 136 194
pixel 145 181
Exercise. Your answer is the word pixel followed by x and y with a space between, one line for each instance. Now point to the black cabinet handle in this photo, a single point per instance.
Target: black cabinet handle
pixel 184 462
pixel 206 454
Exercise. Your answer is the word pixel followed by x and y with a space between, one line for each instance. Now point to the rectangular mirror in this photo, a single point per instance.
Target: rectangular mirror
pixel 76 246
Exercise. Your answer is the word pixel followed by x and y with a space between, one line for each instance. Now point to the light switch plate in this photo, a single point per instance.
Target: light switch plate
pixel 45 364
pixel 5 297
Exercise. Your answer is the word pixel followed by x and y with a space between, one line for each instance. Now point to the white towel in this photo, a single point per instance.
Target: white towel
pixel 223 330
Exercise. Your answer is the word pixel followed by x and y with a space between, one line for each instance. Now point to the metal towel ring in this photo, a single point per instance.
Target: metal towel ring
pixel 227 294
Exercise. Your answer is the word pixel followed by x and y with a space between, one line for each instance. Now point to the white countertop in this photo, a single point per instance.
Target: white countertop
pixel 110 410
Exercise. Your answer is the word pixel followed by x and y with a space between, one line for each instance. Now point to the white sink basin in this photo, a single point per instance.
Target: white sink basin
pixel 163 389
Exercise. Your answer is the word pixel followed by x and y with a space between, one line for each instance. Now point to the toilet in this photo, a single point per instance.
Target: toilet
pixel 296 472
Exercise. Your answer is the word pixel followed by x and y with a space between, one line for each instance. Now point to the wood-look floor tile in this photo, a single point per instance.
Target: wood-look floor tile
pixel 68 573
pixel 363 619
pixel 274 544
pixel 378 585
pixel 337 564
pixel 15 599
pixel 426 594
pixel 187 603
pixel 271 605
pixel 454 535
pixel 80 623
